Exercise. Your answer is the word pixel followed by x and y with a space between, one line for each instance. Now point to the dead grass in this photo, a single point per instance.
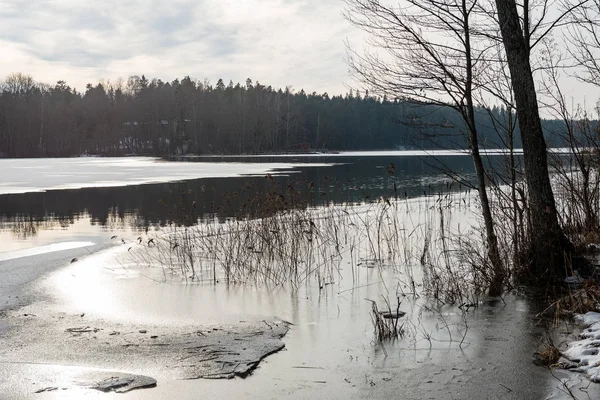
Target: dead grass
pixel 578 301
pixel 279 238
pixel 387 322
pixel 548 355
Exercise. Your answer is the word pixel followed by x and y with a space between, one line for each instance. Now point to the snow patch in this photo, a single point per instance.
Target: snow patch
pixel 384 153
pixel 586 351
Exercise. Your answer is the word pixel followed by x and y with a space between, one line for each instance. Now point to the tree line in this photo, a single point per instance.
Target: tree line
pixel 142 116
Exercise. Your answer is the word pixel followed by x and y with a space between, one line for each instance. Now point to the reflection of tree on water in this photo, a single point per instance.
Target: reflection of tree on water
pixel 25 226
pixel 142 207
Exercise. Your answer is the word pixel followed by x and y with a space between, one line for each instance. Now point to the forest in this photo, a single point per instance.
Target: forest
pixel 187 116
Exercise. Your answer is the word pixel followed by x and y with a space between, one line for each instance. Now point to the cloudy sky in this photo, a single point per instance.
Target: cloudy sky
pixel 277 42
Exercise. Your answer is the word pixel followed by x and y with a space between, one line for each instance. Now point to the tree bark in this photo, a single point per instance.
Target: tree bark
pixel 547 240
pixel 497 270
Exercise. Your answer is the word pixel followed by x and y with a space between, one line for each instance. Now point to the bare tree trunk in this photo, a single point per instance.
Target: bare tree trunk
pixel 547 239
pixel 517 216
pixel 497 269
pixel 432 71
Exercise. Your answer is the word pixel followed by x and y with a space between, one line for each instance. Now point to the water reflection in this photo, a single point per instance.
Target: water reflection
pixel 26 226
pixel 140 207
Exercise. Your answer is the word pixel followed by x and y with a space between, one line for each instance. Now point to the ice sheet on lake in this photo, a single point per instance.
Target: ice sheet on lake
pixel 585 352
pixel 437 153
pixel 174 351
pixel 41 174
pixel 60 329
pixel 390 153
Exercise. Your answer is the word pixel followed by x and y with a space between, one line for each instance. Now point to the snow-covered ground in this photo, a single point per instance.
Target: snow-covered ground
pixel 41 174
pixel 386 153
pixel 585 352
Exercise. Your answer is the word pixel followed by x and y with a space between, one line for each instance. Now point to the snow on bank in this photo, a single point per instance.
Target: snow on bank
pixel 41 174
pixel 51 248
pixel 585 352
pixel 382 153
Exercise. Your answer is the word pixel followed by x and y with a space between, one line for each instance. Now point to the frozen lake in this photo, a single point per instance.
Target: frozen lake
pixel 44 198
pixel 64 246
pixel 37 175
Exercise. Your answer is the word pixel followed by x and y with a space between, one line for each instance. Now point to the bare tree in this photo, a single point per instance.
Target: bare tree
pixel 511 217
pixel 583 42
pixel 430 56
pixel 18 84
pixel 548 242
pixel 578 171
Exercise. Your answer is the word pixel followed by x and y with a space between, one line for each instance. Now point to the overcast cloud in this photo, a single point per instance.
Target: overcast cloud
pixel 277 42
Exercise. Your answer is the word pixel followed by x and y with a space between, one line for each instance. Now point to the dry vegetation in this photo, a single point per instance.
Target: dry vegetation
pixel 278 243
pixel 434 243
